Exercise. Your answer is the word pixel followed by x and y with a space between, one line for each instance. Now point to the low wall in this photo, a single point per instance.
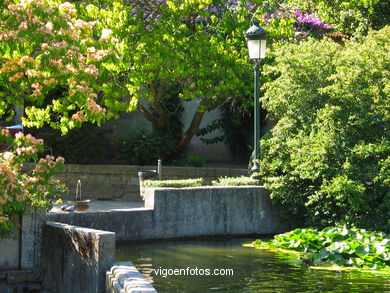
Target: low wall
pixel 187 212
pixel 117 182
pixel 76 259
pixel 20 253
pixel 125 278
pixel 21 249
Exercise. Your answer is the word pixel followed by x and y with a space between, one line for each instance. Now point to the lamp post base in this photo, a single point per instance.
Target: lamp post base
pixel 255 170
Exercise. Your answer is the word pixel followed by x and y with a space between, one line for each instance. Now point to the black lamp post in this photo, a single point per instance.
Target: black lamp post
pixel 256 38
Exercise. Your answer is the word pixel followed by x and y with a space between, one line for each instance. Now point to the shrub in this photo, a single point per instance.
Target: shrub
pixel 140 147
pixel 195 161
pixel 327 159
pixel 174 183
pixel 235 181
pixel 19 190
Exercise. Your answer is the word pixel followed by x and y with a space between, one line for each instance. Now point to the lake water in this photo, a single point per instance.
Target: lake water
pixel 253 270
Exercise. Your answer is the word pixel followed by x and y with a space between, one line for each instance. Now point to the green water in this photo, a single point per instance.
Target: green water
pixel 254 270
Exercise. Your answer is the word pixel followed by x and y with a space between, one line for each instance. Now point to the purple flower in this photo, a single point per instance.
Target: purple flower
pixel 309 21
pixel 267 18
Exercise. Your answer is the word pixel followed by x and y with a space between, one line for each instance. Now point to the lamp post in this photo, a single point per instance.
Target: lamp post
pixel 256 38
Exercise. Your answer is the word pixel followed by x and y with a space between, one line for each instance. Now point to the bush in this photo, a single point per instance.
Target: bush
pixel 327 159
pixel 174 183
pixel 19 190
pixel 195 161
pixel 140 147
pixel 235 181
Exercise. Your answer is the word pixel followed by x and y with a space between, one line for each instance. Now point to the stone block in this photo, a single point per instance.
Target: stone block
pixel 10 253
pixel 76 255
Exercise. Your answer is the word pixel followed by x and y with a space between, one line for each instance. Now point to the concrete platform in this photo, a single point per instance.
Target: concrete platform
pixel 102 206
pixel 182 212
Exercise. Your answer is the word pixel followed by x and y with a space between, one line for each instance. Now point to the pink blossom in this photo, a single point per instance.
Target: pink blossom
pixel 79 116
pixel 106 33
pixel 16 76
pixel 8 156
pixel 49 26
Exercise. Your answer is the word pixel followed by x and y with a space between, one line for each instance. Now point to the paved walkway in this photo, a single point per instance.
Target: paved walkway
pixel 103 205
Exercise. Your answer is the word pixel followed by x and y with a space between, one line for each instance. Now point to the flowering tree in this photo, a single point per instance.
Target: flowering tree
pixel 19 189
pixel 43 46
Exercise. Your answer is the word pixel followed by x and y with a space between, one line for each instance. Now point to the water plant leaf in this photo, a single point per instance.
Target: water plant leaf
pixel 337 247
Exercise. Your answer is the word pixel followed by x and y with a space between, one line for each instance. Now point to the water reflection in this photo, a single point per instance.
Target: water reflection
pixel 254 270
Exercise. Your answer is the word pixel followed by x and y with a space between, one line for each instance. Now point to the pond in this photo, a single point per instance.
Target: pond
pixel 253 270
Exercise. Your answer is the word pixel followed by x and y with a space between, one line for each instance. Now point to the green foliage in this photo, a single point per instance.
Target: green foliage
pixel 327 158
pixel 195 160
pixel 235 181
pixel 340 246
pixel 174 183
pixel 141 147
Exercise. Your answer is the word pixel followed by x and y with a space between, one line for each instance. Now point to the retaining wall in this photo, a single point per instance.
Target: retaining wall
pixel 76 259
pixel 120 182
pixel 187 212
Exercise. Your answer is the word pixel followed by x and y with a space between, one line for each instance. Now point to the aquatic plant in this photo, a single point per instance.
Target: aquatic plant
pixel 335 247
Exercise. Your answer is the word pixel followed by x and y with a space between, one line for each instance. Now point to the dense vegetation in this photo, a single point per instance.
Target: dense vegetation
pixel 327 159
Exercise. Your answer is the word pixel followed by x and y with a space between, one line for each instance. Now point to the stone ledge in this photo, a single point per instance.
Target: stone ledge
pixel 124 277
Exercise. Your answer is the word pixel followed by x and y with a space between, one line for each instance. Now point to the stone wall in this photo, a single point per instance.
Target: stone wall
pixel 20 253
pixel 76 259
pixel 187 212
pixel 120 182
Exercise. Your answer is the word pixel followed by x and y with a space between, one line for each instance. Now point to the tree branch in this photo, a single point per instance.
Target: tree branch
pixel 147 114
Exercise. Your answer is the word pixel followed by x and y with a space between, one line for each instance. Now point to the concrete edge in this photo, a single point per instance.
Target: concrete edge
pixel 124 277
pixel 207 187
pixel 73 227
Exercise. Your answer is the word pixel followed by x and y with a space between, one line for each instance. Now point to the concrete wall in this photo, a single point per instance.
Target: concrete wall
pixel 125 278
pixel 76 259
pixel 20 254
pixel 117 182
pixel 212 153
pixel 186 212
pixel 21 249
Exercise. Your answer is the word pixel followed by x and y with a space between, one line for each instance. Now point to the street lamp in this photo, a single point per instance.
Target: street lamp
pixel 256 38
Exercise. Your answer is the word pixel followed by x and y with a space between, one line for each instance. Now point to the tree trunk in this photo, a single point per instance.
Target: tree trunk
pixel 162 123
pixel 192 129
